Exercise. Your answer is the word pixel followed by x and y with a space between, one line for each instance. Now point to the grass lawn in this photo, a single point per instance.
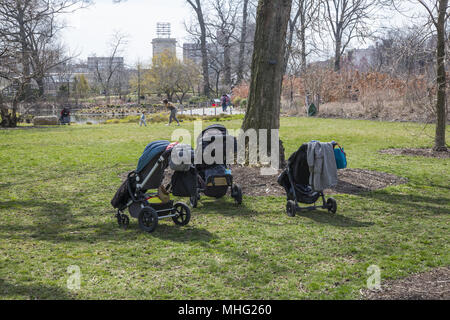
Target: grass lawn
pixel 55 190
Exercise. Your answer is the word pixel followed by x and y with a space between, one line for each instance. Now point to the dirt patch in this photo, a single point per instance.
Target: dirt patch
pixel 350 181
pixel 417 153
pixel 431 285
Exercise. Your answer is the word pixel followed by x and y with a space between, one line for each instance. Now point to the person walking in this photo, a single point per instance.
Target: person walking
pixel 142 121
pixel 173 112
pixel 224 100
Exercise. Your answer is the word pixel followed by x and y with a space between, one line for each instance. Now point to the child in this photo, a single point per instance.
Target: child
pixel 142 121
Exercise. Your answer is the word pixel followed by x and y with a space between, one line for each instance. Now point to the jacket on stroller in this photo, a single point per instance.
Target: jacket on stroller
pixel 299 170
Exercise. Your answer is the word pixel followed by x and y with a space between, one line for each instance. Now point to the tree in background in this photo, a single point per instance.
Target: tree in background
pixel 106 75
pixel 241 61
pixel 34 25
pixel 347 20
pixel 162 75
pixel 438 16
pixel 222 26
pixel 197 7
pixel 188 75
pixel 169 76
pixel 80 87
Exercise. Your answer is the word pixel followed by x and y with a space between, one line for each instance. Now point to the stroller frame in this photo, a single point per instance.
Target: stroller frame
pixel 292 205
pixel 149 213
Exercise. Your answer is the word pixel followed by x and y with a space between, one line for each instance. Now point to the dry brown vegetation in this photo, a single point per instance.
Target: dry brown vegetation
pixel 358 95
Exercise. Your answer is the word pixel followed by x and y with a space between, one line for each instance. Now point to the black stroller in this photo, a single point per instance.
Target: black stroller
pixel 215 178
pixel 295 180
pixel 149 175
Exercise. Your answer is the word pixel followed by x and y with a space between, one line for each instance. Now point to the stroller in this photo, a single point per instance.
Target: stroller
pixel 214 179
pixel 295 180
pixel 149 175
pixel 65 116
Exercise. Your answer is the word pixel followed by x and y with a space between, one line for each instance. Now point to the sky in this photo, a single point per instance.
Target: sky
pixel 89 30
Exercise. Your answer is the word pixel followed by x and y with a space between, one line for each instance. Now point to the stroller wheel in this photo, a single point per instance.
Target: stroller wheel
pixel 125 221
pixel 332 205
pixel 119 218
pixel 290 208
pixel 183 214
pixel 148 219
pixel 194 200
pixel 236 193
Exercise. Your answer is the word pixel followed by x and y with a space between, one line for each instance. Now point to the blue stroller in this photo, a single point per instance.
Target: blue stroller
pixel 149 174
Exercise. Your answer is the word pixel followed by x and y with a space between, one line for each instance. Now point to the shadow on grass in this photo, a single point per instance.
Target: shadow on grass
pixel 32 291
pixel 333 219
pixel 55 222
pixel 53 210
pixel 418 204
pixel 169 231
pixel 319 215
pixel 223 207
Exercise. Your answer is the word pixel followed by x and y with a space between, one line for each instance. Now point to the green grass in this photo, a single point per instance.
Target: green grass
pixel 56 184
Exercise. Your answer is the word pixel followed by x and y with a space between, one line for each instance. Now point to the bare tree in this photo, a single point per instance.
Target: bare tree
pixel 197 7
pixel 222 27
pixel 304 16
pixel 347 20
pixel 240 68
pixel 106 69
pixel 438 15
pixel 33 24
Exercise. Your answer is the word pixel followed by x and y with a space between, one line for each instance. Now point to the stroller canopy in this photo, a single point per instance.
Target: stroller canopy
pixel 214 129
pixel 208 136
pixel 152 150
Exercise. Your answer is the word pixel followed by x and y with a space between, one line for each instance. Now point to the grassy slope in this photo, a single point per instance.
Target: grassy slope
pixel 56 184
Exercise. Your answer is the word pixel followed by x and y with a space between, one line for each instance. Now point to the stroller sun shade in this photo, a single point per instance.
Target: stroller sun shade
pixel 209 139
pixel 151 150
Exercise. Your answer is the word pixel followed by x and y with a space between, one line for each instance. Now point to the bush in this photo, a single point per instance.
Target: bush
pixel 237 101
pixel 198 99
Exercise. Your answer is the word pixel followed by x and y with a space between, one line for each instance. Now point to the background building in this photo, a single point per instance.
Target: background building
pixel 164 42
pixel 104 63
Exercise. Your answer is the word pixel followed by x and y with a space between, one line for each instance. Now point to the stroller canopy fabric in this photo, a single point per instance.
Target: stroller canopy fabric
pixel 151 150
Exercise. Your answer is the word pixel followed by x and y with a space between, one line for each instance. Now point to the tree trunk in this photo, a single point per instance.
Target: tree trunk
pixel 337 56
pixel 227 65
pixel 41 88
pixel 139 85
pixel 441 112
pixel 240 71
pixel 263 110
pixel 203 45
pixel 303 44
pixel 24 53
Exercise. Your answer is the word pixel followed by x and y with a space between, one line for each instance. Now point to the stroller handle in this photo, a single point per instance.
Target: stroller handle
pixel 161 159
